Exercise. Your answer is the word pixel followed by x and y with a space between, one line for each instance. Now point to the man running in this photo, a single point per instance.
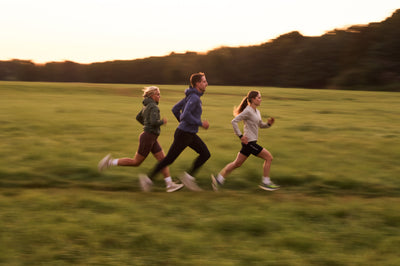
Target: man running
pixel 188 112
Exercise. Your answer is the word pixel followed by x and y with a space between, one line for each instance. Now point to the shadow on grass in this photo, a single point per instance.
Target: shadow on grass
pixel 89 178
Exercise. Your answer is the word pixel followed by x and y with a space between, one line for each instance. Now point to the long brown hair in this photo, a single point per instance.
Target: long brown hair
pixel 246 101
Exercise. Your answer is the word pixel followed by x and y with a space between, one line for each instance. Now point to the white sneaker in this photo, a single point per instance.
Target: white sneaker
pixel 215 183
pixel 190 182
pixel 145 183
pixel 105 163
pixel 171 187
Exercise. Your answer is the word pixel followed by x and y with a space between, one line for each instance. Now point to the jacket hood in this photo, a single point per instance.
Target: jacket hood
pixel 148 101
pixel 192 90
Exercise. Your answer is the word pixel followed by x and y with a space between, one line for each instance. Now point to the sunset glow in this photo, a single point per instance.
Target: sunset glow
pixel 87 31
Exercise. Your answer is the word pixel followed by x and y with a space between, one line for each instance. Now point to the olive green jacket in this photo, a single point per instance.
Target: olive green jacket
pixel 149 117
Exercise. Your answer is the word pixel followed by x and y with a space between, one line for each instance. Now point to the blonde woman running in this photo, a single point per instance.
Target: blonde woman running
pixel 248 113
pixel 149 116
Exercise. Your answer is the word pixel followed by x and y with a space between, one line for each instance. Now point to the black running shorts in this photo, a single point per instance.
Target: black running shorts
pixel 251 148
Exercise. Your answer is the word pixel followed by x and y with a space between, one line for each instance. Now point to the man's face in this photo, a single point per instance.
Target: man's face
pixel 202 84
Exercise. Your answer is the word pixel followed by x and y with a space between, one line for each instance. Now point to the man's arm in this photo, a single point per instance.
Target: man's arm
pixel 177 109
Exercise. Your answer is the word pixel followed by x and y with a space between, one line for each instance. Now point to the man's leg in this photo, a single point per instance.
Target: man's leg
pixel 181 141
pixel 204 154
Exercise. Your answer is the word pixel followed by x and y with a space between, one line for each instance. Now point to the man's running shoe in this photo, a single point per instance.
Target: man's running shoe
pixel 189 182
pixel 215 184
pixel 145 183
pixel 171 187
pixel 269 187
pixel 105 163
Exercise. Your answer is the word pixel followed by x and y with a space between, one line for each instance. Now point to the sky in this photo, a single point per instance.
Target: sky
pixel 86 31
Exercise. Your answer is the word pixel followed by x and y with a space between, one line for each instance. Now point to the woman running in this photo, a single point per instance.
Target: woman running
pixel 250 115
pixel 149 116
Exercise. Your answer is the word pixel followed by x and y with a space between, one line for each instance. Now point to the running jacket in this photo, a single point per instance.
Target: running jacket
pixel 188 111
pixel 252 121
pixel 149 116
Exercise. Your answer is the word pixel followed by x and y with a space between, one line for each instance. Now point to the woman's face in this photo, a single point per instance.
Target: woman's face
pixel 257 100
pixel 156 96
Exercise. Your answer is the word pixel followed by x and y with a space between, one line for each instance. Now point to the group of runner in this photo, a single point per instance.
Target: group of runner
pixel 188 112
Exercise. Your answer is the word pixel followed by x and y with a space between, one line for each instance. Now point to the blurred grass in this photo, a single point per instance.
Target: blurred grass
pixel 335 153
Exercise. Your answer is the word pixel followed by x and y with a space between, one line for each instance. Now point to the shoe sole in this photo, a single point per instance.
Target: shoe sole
pixel 268 189
pixel 190 184
pixel 144 184
pixel 214 183
pixel 103 163
pixel 176 188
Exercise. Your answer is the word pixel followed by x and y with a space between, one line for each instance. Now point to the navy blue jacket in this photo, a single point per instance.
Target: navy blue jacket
pixel 188 111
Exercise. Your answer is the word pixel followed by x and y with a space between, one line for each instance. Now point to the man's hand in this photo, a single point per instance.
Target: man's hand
pixel 205 124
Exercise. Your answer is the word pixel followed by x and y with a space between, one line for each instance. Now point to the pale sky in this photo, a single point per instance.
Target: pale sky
pixel 86 31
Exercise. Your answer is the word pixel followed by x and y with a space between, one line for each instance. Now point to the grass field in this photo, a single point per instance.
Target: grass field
pixel 336 157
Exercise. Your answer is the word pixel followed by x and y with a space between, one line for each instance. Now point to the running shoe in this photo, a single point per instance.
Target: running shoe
pixel 189 182
pixel 145 183
pixel 269 187
pixel 105 163
pixel 215 183
pixel 171 187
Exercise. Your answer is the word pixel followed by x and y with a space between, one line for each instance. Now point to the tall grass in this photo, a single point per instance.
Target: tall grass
pixel 335 153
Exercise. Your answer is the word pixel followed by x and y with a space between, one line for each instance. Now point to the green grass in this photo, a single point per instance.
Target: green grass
pixel 336 157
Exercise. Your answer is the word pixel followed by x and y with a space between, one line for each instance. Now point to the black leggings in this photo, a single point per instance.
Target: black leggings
pixel 183 139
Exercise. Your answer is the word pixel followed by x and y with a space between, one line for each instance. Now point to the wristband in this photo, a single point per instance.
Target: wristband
pixel 240 137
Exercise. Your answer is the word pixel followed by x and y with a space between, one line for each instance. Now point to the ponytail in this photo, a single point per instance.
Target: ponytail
pixel 246 101
pixel 243 104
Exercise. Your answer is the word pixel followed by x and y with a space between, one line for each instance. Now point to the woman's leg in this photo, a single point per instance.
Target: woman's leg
pixel 267 156
pixel 146 143
pixel 180 142
pixel 266 183
pixel 136 161
pixel 159 156
pixel 240 159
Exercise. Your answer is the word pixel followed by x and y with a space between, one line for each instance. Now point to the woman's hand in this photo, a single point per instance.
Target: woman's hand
pixel 244 140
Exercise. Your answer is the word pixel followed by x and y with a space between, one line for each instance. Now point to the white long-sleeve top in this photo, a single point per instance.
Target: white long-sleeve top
pixel 252 121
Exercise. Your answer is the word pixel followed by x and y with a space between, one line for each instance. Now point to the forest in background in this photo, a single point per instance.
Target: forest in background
pixel 360 57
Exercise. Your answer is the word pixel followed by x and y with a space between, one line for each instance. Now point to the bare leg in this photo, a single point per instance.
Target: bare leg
pixel 159 156
pixel 240 159
pixel 136 161
pixel 267 156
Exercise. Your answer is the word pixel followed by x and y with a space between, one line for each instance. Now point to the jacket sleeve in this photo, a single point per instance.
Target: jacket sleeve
pixel 139 117
pixel 262 124
pixel 240 117
pixel 187 114
pixel 177 109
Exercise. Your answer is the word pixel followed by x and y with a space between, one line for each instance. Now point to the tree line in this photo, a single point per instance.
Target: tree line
pixel 365 57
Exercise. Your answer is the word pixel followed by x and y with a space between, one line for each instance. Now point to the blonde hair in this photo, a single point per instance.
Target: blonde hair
pixel 150 91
